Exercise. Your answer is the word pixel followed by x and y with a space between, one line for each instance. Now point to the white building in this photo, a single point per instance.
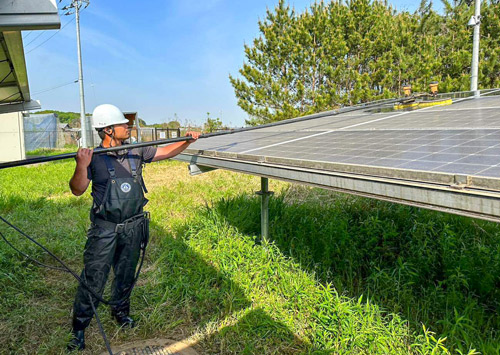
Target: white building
pixel 17 16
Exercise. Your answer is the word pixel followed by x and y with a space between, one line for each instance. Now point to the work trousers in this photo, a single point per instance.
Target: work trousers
pixel 106 249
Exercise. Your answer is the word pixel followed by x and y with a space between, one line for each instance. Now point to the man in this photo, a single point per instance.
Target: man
pixel 119 227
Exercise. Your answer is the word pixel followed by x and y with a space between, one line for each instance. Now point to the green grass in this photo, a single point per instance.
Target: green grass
pixel 68 148
pixel 341 274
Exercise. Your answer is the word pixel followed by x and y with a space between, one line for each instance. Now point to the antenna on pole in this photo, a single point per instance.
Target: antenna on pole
pixel 86 133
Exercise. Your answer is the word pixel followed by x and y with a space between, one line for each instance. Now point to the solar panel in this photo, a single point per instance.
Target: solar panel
pixel 441 157
pixel 463 138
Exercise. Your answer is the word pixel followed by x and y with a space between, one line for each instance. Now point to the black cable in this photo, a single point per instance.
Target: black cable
pixel 75 275
pixel 65 268
pixel 101 329
pixel 30 258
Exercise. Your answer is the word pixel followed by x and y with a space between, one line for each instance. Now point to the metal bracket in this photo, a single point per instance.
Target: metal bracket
pixel 461 182
pixel 459 186
pixel 195 169
pixel 264 193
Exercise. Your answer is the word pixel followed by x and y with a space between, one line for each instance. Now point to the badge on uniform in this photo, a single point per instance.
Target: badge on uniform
pixel 125 187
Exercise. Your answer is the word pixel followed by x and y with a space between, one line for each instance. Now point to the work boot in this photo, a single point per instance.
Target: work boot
pixel 77 341
pixel 123 319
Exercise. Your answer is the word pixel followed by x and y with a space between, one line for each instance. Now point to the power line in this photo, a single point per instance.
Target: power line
pixel 41 33
pixel 56 87
pixel 34 39
pixel 51 36
pixel 27 34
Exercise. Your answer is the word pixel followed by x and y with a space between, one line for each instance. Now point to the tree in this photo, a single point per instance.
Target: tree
pixel 348 52
pixel 64 117
pixel 269 90
pixel 173 124
pixel 212 124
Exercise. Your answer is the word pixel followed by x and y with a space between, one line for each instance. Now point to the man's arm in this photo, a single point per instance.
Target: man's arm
pixel 80 182
pixel 172 150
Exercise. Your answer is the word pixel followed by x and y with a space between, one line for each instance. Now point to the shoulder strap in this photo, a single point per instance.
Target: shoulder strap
pixel 133 169
pixel 133 165
pixel 109 166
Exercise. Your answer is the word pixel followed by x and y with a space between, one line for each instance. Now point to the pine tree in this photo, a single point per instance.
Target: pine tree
pixel 344 53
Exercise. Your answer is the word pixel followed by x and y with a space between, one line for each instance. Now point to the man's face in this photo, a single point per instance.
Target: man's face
pixel 122 131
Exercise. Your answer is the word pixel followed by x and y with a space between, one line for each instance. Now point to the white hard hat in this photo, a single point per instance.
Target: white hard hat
pixel 107 115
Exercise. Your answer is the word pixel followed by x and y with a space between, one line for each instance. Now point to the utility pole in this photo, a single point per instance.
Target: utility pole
pixel 476 22
pixel 74 7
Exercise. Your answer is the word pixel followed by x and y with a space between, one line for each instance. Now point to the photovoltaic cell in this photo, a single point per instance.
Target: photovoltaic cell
pixel 462 138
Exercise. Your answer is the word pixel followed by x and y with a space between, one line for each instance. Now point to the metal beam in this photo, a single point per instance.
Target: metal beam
pixel 14 43
pixel 17 15
pixel 23 106
pixel 457 199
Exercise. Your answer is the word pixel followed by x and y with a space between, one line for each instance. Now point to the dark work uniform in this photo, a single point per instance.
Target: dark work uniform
pixel 117 231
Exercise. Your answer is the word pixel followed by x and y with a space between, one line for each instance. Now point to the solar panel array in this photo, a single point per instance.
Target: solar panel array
pixel 462 138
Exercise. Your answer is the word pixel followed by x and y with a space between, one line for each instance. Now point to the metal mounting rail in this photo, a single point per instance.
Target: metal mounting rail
pixel 465 201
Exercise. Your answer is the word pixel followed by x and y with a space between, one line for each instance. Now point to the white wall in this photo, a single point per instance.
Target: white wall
pixel 11 137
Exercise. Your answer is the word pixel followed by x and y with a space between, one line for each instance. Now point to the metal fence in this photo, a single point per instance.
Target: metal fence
pixel 59 138
pixel 152 134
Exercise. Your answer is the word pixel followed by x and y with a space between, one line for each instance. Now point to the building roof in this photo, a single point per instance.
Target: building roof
pixel 16 16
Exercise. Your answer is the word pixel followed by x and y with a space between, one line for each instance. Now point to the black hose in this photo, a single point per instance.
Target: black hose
pixel 15 163
pixel 66 268
pixel 30 258
pixel 99 324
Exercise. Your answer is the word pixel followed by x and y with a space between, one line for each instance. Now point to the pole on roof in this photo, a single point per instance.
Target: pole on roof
pixel 264 208
pixel 476 22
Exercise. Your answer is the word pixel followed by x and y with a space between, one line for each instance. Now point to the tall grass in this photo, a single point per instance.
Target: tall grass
pixel 433 268
pixel 341 275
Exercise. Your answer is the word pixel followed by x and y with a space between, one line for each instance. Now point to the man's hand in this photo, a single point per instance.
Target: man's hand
pixel 84 157
pixel 79 182
pixel 194 136
pixel 172 150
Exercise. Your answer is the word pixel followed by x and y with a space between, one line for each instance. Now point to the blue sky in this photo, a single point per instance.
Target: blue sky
pixel 159 59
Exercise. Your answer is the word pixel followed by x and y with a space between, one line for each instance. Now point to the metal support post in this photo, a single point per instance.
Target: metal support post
pixel 83 120
pixel 137 125
pixel 475 49
pixel 264 208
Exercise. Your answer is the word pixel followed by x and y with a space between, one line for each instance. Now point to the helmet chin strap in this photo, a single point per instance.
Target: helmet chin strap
pixel 112 136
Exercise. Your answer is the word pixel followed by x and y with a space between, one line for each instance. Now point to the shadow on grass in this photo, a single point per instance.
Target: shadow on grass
pixel 178 293
pixel 437 269
pixel 255 333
